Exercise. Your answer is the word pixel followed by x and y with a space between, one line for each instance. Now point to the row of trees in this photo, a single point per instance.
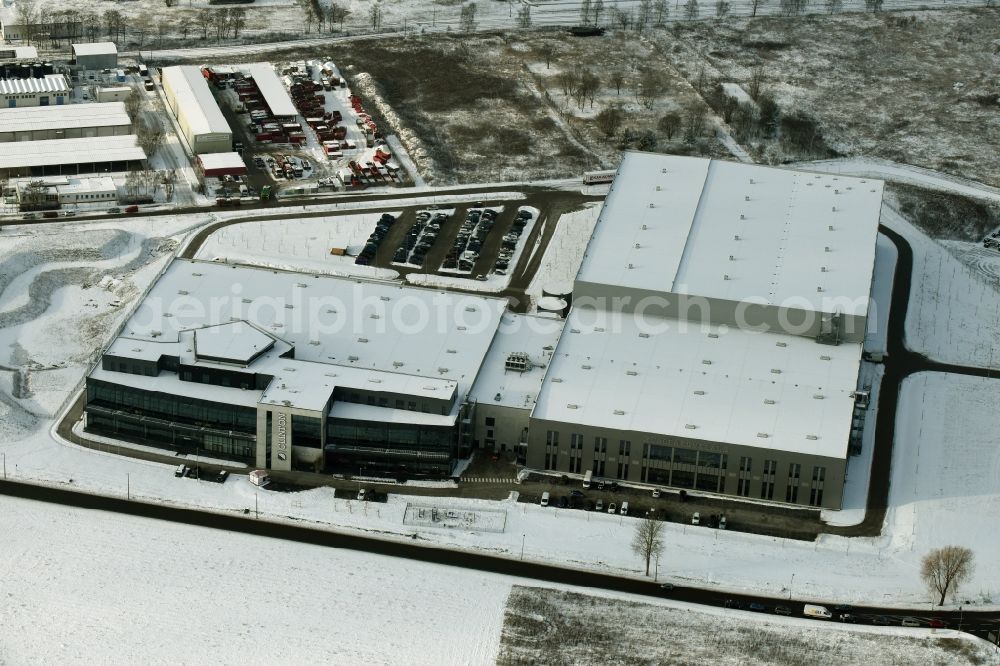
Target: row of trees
pixel 943 570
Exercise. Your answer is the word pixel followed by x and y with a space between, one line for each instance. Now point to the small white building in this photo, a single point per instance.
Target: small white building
pixel 62 190
pixel 102 55
pixel 18 53
pixel 113 94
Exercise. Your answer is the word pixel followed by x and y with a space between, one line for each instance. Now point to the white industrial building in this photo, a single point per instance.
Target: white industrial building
pixel 716 332
pixel 55 157
pixel 69 191
pixel 18 53
pixel 48 90
pixel 191 102
pixel 71 121
pixel 100 55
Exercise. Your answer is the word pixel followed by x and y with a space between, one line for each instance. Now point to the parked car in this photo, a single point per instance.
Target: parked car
pixel 757 607
pixel 696 518
pixel 361 495
pixel 545 499
pixel 599 506
pixel 131 209
pixel 563 502
pixel 612 508
pixel 848 618
pixel 624 509
pixel 735 604
pixel 576 493
pixel 882 621
pixel 666 586
pixel 782 610
pixel 179 472
pixel 910 622
pixel 656 493
pixel 937 623
pixel 722 522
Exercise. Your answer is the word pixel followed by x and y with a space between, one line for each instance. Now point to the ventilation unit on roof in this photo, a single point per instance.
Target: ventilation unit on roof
pixel 763 435
pixel 732 258
pixel 726 276
pixel 497 397
pixel 443 371
pixel 631 373
pixel 383 298
pixel 518 362
pixel 289 306
pixel 644 335
pixel 713 335
pixel 658 188
pixel 450 351
pixel 572 406
pixel 826 249
pixel 690 426
pixel 630 266
pixel 824 358
pixel 705 361
pixel 818 396
pixel 397 364
pixel 768 401
pixel 830 227
pixel 461 328
pixel 182 292
pixel 352 359
pixel 470 309
pixel 833 209
pixel 619 412
pixel 751 181
pixel 822 269
pixel 557 380
pixel 775 371
pixel 780 344
pixel 699 392
pixel 813 437
pixel 314 343
pixel 736 237
pixel 362 339
pixel 301 285
pixel 586 367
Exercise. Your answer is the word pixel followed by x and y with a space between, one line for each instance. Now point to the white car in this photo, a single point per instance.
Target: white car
pixel 612 508
pixel 696 518
pixel 545 499
pixel 722 522
pixel 362 495
pixel 656 493
pixel 624 509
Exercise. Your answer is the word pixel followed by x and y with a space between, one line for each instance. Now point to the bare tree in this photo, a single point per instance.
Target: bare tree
pixel 694 124
pixel 873 5
pixel 669 124
pixel 524 17
pixel 647 542
pixel 755 5
pixel 547 49
pixel 237 20
pixel 795 7
pixel 617 79
pixel 661 10
pixel 944 569
pixel 598 9
pixel 652 85
pixel 721 8
pixel 150 135
pixel 609 120
pixel 621 18
pixel 467 17
pixel 336 13
pixel 691 10
pixel 590 83
pixel 645 15
pixel 132 104
pixel 756 82
pixel 28 16
pixel 585 12
pixel 375 15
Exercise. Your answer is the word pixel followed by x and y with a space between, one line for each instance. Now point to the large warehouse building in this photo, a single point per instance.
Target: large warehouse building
pixel 62 157
pixel 64 122
pixel 713 343
pixel 191 102
pixel 716 333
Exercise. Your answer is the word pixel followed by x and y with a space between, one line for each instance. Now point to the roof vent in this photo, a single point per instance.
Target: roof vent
pixel 461 328
pixel 182 292
pixel 833 209
pixel 713 335
pixel 644 227
pixel 822 269
pixel 301 285
pixel 470 309
pixel 818 289
pixel 557 380
pixel 450 351
pixel 768 401
pixel 651 205
pixel 736 237
pixel 375 380
pixel 742 216
pixel 658 188
pixel 630 266
pixel 725 277
pixel 587 367
pixel 763 435
pixel 497 397
pixel 397 364
pixel 373 316
pixel 362 339
pixel 826 249
pixel 664 170
pixel 572 406
pixel 383 298
pixel 619 412
pixel 818 396
pixel 443 371
pixel 705 361
pixel 247 300
pixel 289 306
pixel 751 181
pixel 644 335
pixel 775 371
pixel 314 343
pixel 574 330
pixel 352 359
pixel 631 373
pixel 732 258
pixel 812 437
pixel 780 344
pixel 830 227
pixel 637 246
pixel 690 426
pixel 824 358
pixel 699 392
pixel 746 198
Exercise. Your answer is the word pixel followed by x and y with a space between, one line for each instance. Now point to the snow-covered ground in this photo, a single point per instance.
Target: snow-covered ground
pixel 303 244
pixel 167 593
pixel 87 587
pixel 566 247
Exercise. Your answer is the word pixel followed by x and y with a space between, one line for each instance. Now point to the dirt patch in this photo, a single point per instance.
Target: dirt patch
pixel 946 215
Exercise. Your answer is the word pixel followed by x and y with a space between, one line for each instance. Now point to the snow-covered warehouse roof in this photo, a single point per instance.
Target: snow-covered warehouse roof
pixel 190 92
pixel 221 161
pixel 48 83
pixel 345 332
pixel 18 52
pixel 737 232
pixel 97 48
pixel 271 87
pixel 51 152
pixel 713 383
pixel 69 116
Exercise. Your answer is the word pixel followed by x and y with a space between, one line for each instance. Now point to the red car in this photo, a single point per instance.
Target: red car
pixel 132 209
pixel 938 624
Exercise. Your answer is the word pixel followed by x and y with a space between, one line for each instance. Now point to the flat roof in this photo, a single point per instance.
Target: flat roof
pixel 48 83
pixel 350 332
pixel 18 52
pixel 237 342
pixel 67 116
pixel 96 48
pixel 535 336
pixel 193 97
pixel 51 152
pixel 719 384
pixel 211 161
pixel 271 88
pixel 737 232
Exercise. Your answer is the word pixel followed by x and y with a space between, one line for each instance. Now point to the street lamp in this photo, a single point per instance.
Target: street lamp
pixel 790 587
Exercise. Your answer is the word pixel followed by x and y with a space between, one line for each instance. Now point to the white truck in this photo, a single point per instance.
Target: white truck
pixel 587 477
pixel 819 612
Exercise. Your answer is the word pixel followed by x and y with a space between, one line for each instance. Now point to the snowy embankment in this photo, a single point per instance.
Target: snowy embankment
pixel 565 250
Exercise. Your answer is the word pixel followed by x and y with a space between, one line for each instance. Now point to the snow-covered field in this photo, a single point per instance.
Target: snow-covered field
pixel 546 626
pixel 166 593
pixel 88 587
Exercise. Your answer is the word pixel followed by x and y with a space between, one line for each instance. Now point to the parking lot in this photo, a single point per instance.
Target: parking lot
pixel 672 506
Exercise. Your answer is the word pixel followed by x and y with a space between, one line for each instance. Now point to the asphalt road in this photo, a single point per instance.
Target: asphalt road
pixel 977 623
